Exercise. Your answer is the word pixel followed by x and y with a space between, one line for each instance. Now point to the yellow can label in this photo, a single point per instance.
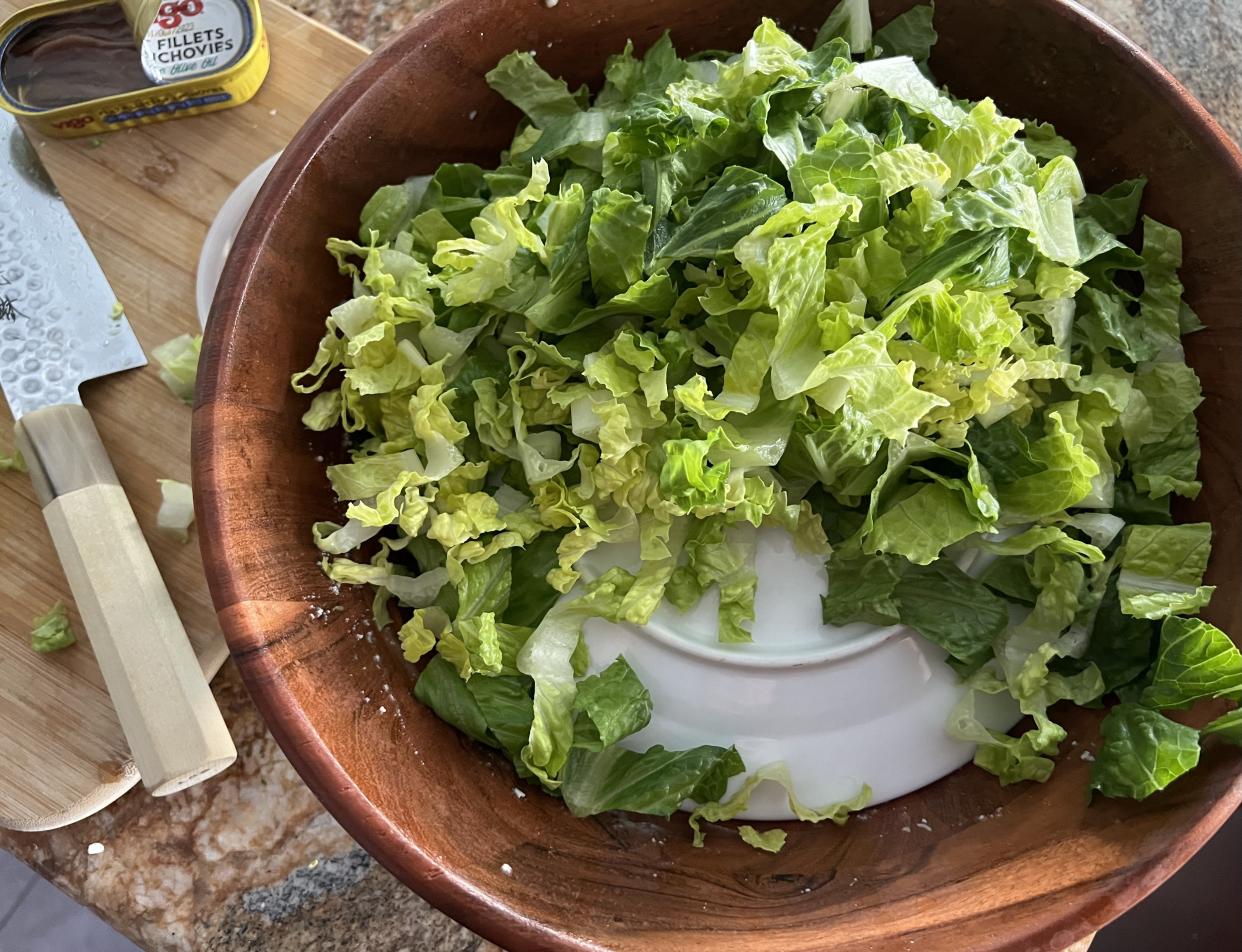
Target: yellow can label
pixel 207 91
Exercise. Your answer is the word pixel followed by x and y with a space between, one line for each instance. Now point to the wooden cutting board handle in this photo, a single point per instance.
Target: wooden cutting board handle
pixel 162 699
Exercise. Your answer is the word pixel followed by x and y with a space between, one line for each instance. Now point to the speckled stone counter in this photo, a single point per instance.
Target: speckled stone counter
pixel 250 860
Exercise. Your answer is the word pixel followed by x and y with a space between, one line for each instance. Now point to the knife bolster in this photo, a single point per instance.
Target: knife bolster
pixel 63 452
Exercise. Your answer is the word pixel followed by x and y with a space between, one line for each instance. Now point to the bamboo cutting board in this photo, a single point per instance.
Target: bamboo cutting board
pixel 144 198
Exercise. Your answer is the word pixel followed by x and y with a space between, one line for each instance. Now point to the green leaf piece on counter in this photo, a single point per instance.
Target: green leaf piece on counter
pixel 51 631
pixel 12 463
pixel 178 360
pixel 176 512
pixel 1141 751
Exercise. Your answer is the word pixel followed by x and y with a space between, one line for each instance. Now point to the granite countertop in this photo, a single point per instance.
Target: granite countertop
pixel 249 860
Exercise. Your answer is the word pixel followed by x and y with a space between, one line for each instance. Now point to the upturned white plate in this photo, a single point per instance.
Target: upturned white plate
pixel 222 233
pixel 840 706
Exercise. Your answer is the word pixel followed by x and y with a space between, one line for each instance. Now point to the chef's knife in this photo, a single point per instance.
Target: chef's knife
pixel 60 326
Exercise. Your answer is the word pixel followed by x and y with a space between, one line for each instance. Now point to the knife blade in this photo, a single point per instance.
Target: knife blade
pixel 57 328
pixel 60 325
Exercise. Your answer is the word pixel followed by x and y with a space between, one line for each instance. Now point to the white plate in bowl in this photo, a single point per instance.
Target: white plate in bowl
pixel 220 236
pixel 840 706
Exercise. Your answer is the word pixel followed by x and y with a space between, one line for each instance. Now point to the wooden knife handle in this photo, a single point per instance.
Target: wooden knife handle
pixel 162 699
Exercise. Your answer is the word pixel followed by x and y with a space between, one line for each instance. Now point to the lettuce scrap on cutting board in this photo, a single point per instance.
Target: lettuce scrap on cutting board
pixel 799 286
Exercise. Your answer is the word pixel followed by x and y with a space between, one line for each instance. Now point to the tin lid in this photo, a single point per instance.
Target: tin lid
pixel 140 14
pixel 188 38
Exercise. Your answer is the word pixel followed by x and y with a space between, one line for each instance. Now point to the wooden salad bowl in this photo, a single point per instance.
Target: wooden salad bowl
pixel 1044 867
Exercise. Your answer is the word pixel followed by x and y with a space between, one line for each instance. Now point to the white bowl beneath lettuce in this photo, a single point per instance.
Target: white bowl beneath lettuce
pixel 840 706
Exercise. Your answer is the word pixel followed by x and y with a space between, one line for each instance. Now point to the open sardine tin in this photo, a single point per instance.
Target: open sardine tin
pixel 77 68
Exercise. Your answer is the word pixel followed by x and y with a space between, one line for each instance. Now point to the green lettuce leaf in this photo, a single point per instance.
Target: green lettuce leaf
pixel 1141 752
pixel 611 705
pixel 1117 209
pixel 862 590
pixel 12 463
pixel 617 240
pixel 1059 476
pixel 1162 570
pixel 1227 726
pixel 1121 646
pixel 507 709
pixel 1195 661
pixel 656 781
pixel 178 360
pixel 52 630
pixel 547 658
pixel 908 34
pixel 850 20
pixel 439 687
pixel 737 202
pixel 951 609
pixel 390 209
pixel 528 86
pixel 712 810
pixel 939 601
pixel 770 841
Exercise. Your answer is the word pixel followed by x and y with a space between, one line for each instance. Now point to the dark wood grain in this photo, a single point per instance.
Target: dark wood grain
pixel 439 811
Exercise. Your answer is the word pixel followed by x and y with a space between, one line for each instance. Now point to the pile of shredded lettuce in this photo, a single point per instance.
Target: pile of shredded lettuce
pixel 794 286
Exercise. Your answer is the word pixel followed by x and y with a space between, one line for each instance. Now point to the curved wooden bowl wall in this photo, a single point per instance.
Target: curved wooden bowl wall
pixel 439 811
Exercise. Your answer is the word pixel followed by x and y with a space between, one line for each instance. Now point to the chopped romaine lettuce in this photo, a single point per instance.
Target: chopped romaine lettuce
pixel 1195 661
pixel 714 810
pixel 1162 570
pixel 178 360
pixel 1228 727
pixel 176 508
pixel 12 462
pixel 797 287
pixel 1141 751
pixel 51 631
